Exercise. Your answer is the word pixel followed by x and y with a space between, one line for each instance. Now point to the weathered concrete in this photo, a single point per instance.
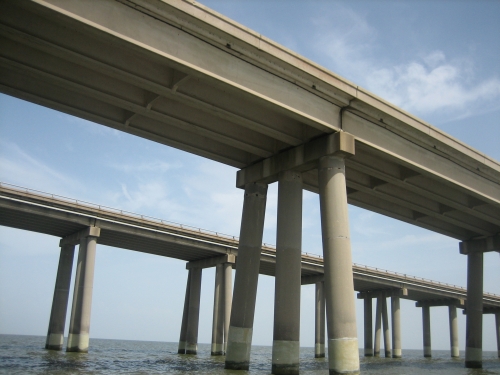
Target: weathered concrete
pixel 426 325
pixel 319 321
pixel 396 327
pixel 246 277
pixel 218 313
pixel 378 327
pixel 386 329
pixel 79 329
pixel 286 346
pixel 228 297
pixel 343 354
pixel 474 320
pixel 454 346
pixel 185 314
pixel 368 327
pixel 55 334
pixel 193 311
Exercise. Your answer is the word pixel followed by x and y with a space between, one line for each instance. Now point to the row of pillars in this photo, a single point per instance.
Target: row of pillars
pixel 79 328
pixel 338 287
pixel 188 341
pixel 426 327
pixel 372 344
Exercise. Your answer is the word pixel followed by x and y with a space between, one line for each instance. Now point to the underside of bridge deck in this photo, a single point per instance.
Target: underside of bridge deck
pixel 232 96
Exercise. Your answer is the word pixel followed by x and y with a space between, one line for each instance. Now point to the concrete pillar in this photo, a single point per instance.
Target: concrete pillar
pixel 55 334
pixel 78 339
pixel 474 322
pixel 396 327
pixel 497 328
pixel 218 317
pixel 385 325
pixel 182 338
pixel 343 352
pixel 319 332
pixel 455 351
pixel 193 311
pixel 286 346
pixel 426 323
pixel 378 330
pixel 228 296
pixel 246 277
pixel 368 327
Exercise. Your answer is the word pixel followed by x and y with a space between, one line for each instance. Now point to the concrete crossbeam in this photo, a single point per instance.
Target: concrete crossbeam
pixel 76 238
pixel 394 292
pixel 483 245
pixel 301 158
pixel 211 262
pixel 457 302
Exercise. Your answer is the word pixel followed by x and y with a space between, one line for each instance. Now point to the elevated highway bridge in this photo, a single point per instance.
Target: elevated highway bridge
pixel 58 216
pixel 178 73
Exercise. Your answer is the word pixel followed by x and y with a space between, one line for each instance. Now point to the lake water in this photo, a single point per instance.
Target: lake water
pixel 25 355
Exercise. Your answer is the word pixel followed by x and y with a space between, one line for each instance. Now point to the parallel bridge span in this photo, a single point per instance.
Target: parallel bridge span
pixel 59 216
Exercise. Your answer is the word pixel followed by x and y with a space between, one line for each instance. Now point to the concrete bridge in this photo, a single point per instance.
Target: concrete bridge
pixel 74 220
pixel 180 74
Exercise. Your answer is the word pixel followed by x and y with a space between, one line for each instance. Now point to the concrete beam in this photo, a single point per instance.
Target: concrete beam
pixel 75 238
pixel 457 302
pixel 383 293
pixel 486 310
pixel 211 262
pixel 312 279
pixel 483 245
pixel 301 158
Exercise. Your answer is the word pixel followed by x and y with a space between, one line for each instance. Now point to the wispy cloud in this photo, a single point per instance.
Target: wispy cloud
pixel 156 166
pixel 19 167
pixel 424 84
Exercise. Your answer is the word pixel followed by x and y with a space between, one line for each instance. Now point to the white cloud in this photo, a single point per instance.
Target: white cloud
pixel 425 84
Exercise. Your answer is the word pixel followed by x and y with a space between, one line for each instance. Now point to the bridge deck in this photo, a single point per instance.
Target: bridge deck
pixel 180 74
pixel 59 216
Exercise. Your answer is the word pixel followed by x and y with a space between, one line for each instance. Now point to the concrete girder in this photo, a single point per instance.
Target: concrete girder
pixel 137 109
pixel 460 303
pixel 146 84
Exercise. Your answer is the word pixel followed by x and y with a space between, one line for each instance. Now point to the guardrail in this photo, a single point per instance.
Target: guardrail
pixel 105 209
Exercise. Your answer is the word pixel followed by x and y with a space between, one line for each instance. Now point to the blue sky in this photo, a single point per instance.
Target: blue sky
pixel 438 60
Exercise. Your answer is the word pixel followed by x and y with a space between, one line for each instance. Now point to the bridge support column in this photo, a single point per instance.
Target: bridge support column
pixel 454 348
pixel 185 314
pixel 343 352
pixel 378 327
pixel 319 332
pixel 218 316
pixel 55 334
pixel 385 325
pixel 228 296
pixel 396 327
pixel 474 319
pixel 426 325
pixel 497 329
pixel 368 327
pixel 193 311
pixel 474 250
pixel 78 339
pixel 286 346
pixel 246 277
